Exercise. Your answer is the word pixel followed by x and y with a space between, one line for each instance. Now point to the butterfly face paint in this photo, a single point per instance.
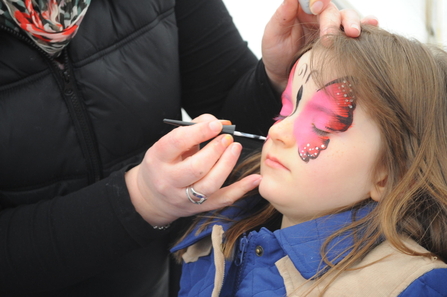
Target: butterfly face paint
pixel 329 110
pixel 318 122
pixel 286 98
pixel 287 102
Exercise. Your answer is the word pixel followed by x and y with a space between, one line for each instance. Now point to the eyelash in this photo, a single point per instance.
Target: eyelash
pixel 279 117
pixel 319 131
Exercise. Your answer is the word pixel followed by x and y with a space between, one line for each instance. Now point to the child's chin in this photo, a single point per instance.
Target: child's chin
pixel 266 190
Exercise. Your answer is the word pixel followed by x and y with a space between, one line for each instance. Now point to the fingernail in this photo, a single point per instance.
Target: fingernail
pixel 257 181
pixel 317 7
pixel 373 18
pixel 370 16
pixel 225 122
pixel 356 26
pixel 215 126
pixel 236 149
pixel 226 140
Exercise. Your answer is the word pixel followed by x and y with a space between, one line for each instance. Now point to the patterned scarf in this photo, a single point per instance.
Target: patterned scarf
pixel 51 24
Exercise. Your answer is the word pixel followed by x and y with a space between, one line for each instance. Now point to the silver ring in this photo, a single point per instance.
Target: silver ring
pixel 199 198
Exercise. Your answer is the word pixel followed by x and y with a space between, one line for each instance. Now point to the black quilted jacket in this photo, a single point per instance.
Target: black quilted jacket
pixel 67 135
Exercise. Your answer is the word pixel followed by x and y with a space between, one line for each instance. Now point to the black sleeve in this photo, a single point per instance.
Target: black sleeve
pixel 220 75
pixel 67 239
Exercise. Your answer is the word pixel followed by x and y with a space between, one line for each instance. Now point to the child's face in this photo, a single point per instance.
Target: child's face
pixel 321 153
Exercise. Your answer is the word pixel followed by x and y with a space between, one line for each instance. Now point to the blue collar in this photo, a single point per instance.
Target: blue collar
pixel 241 209
pixel 303 242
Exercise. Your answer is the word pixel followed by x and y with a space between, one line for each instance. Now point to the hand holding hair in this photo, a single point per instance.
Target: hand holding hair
pixel 291 27
pixel 158 186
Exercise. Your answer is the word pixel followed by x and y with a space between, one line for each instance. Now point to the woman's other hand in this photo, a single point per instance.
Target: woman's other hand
pixel 290 28
pixel 158 185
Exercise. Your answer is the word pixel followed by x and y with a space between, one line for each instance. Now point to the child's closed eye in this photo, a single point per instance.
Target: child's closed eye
pixel 319 131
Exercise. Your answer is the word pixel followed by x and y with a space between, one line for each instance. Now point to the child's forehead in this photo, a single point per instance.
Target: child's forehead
pixel 302 75
pixel 302 72
pixel 313 72
pixel 302 65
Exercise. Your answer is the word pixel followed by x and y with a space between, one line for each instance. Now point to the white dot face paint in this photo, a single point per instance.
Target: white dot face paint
pixel 320 153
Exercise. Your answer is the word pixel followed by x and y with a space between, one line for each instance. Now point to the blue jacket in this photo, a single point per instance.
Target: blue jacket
pixel 252 271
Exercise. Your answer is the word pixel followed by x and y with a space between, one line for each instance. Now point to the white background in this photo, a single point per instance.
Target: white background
pixel 405 17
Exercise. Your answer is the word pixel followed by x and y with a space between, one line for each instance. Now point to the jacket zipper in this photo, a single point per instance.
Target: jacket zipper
pixel 81 121
pixel 239 261
pixel 76 108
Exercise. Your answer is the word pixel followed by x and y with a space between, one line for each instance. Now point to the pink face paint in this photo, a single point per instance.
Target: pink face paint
pixel 286 98
pixel 326 112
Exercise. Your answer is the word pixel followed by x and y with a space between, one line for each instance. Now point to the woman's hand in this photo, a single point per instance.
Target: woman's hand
pixel 290 28
pixel 158 185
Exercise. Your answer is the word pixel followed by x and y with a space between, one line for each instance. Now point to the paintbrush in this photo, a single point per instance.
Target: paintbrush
pixel 227 129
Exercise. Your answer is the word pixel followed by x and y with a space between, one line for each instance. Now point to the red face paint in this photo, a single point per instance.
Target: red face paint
pixel 329 110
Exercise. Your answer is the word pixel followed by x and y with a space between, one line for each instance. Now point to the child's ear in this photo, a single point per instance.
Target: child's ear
pixel 379 186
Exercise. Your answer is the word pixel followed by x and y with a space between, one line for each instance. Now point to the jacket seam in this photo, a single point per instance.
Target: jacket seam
pixel 25 80
pixel 135 35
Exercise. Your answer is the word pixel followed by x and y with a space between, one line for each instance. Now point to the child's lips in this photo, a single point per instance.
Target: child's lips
pixel 274 163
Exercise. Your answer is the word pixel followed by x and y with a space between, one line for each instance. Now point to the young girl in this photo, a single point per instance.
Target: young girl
pixel 353 198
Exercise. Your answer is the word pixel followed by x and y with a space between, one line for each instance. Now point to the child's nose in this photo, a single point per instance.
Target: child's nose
pixel 282 131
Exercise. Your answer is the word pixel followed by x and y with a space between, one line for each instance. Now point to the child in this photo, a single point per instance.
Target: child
pixel 354 177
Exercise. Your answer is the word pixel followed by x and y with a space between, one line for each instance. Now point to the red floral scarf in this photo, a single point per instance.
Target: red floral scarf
pixel 51 24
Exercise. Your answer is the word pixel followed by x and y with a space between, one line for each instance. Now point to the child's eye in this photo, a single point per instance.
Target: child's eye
pixel 319 131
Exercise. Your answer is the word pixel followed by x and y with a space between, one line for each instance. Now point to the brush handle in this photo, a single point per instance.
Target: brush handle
pixel 227 129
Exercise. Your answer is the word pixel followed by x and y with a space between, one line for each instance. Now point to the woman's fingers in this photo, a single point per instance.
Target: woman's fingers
pixel 217 175
pixel 158 185
pixel 228 195
pixel 224 196
pixel 197 166
pixel 282 19
pixel 329 20
pixel 370 20
pixel 182 139
pixel 350 22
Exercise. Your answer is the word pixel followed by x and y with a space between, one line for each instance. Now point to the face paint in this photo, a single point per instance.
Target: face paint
pixel 286 98
pixel 329 110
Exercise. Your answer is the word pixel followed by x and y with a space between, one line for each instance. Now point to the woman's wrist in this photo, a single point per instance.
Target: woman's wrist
pixel 148 212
